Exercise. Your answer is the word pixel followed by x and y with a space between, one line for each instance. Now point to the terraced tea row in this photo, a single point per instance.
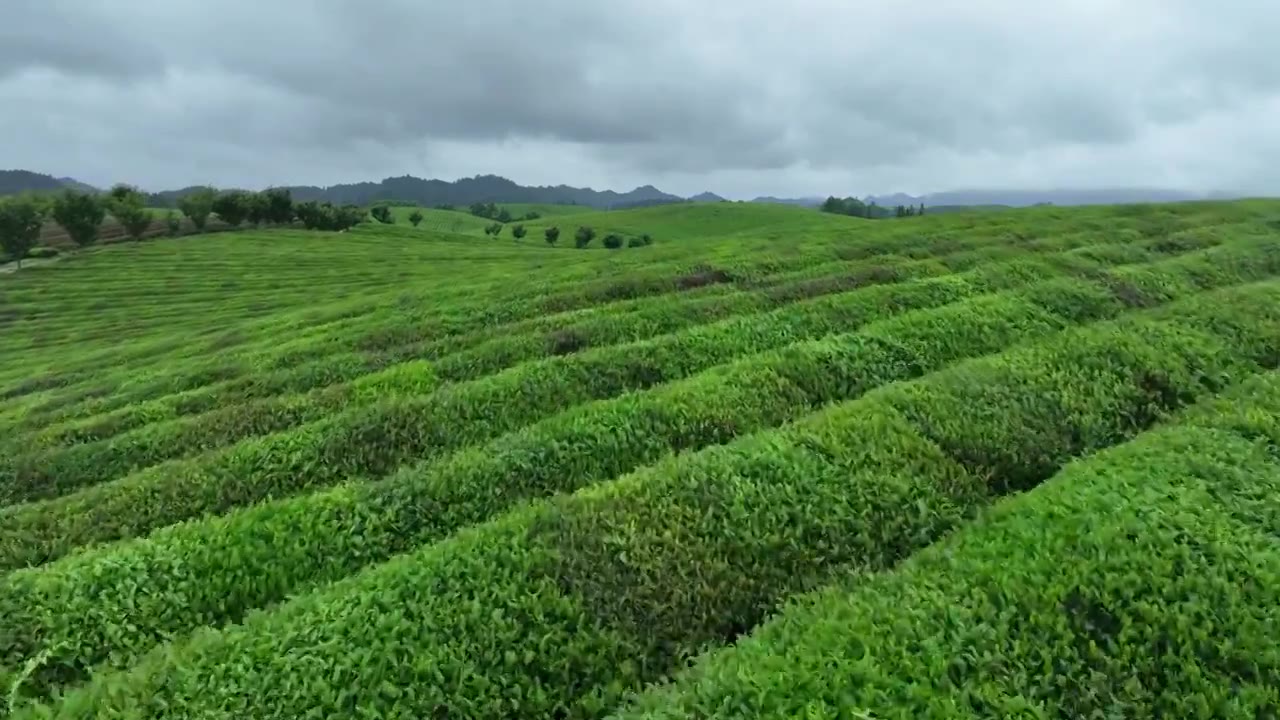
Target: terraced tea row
pixel 435 474
pixel 106 459
pixel 565 604
pixel 1054 602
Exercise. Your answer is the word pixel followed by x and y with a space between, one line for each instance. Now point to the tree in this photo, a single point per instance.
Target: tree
pixel 613 241
pixel 129 207
pixel 232 206
pixel 921 211
pixel 647 239
pixel 494 229
pixel 80 214
pixel 172 223
pixel 197 205
pixel 416 217
pixel 20 221
pixel 255 208
pixel 532 215
pixel 326 216
pixel 504 216
pixel 552 234
pixel 276 205
pixel 518 232
pixel 382 214
pixel 583 236
pixel 636 242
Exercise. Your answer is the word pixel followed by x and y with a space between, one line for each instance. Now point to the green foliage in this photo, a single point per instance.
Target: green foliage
pixel 382 214
pixel 21 219
pixel 128 206
pixel 416 217
pixel 80 215
pixel 326 216
pixel 1149 544
pixel 552 235
pixel 233 206
pixel 197 205
pixel 503 216
pixel 493 229
pixel 276 206
pixel 599 440
pixel 518 232
pixel 249 473
pixel 583 236
pixel 172 223
pixel 613 241
pixel 610 588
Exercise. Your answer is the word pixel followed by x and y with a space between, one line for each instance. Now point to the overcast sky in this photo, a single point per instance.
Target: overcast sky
pixel 740 97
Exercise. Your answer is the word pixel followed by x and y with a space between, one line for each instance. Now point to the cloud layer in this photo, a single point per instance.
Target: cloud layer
pixel 742 97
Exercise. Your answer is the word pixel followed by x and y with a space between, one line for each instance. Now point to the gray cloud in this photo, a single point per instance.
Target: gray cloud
pixel 741 97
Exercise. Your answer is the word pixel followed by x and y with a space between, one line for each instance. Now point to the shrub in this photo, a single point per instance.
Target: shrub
pixel 277 206
pixel 1171 520
pixel 21 219
pixel 636 242
pixel 172 223
pixel 416 217
pixel 566 605
pixel 583 236
pixel 80 214
pixel 518 232
pixel 590 442
pixel 612 241
pixel 493 229
pixel 233 206
pixel 197 205
pixel 552 234
pixel 382 214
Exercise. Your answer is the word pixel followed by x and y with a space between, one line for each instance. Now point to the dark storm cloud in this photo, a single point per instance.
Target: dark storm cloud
pixel 791 94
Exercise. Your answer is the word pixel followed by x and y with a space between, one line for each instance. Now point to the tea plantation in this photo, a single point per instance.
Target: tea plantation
pixel 776 464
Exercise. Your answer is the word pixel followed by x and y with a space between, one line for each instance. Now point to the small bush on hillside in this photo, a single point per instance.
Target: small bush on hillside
pixel 276 205
pixel 197 206
pixel 646 239
pixel 232 206
pixel 552 234
pixel 20 221
pixel 518 232
pixel 326 216
pixel 583 236
pixel 416 217
pixel 636 242
pixel 494 229
pixel 532 215
pixel 504 216
pixel 80 214
pixel 382 214
pixel 172 223
pixel 129 207
pixel 613 241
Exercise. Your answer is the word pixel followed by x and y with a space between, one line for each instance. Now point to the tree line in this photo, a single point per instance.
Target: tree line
pixel 81 214
pixel 856 208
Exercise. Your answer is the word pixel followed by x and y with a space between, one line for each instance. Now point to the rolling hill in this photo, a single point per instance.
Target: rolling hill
pixel 778 464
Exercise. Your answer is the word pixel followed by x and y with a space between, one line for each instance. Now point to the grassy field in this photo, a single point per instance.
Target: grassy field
pixel 777 464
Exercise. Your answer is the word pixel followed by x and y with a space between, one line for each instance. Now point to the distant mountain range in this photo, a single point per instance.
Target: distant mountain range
pixel 493 188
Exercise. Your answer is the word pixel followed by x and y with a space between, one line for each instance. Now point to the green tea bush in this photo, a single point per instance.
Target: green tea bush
pixel 351 527
pixel 567 604
pixel 1052 602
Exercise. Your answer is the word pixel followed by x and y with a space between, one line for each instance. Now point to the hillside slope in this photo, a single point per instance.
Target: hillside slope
pixel 417 472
